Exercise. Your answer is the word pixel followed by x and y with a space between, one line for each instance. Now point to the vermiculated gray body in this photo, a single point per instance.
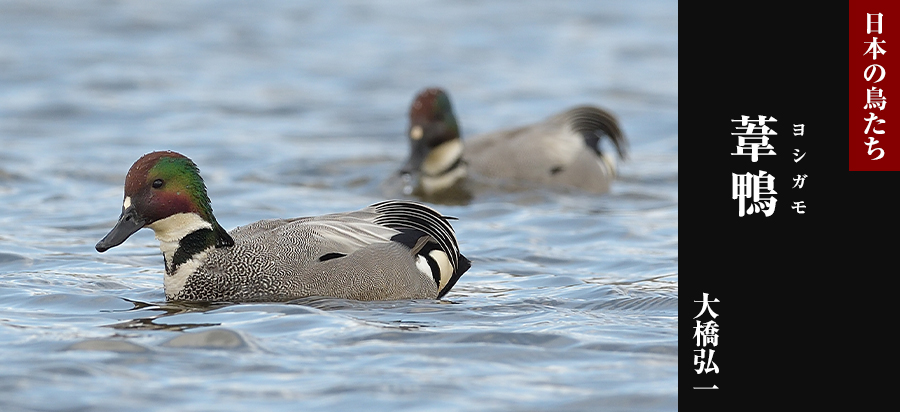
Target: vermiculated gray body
pixel 558 152
pixel 390 250
pixel 281 259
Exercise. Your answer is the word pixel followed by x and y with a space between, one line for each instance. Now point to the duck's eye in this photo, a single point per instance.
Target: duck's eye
pixel 157 183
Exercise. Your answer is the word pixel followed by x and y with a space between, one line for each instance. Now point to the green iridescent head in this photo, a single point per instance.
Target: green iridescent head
pixel 431 125
pixel 431 119
pixel 160 185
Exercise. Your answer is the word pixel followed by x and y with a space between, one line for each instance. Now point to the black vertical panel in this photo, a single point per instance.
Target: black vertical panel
pixel 779 278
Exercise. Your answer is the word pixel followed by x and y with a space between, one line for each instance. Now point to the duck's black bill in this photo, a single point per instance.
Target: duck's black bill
pixel 129 222
pixel 414 162
pixel 411 172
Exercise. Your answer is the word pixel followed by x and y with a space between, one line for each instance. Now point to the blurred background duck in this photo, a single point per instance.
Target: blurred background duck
pixel 562 151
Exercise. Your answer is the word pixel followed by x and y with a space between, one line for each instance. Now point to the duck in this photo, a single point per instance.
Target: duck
pixel 391 250
pixel 562 151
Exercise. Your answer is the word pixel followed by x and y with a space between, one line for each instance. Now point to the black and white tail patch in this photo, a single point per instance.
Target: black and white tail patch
pixel 429 236
pixel 594 123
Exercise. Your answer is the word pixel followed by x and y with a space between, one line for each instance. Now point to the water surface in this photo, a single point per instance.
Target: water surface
pixel 298 108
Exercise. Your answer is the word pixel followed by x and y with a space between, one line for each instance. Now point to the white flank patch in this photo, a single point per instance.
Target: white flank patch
pixel 423 267
pixel 442 157
pixel 127 203
pixel 174 283
pixel 416 133
pixel 443 262
pixel 607 164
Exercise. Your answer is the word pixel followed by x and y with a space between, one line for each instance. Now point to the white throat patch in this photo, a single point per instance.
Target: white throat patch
pixel 439 161
pixel 432 185
pixel 177 226
pixel 173 284
pixel 171 230
pixel 442 157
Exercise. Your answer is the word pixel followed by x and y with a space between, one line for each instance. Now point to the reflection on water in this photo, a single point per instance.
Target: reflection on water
pixel 160 311
pixel 295 109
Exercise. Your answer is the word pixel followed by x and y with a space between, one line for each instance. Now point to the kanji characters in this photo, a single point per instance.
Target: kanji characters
pixel 874 48
pixel 759 188
pixel 874 97
pixel 706 334
pixel 755 138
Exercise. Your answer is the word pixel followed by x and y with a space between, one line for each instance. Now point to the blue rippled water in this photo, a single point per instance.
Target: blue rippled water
pixel 298 108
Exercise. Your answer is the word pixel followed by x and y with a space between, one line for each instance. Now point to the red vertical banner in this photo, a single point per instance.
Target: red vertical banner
pixel 874 73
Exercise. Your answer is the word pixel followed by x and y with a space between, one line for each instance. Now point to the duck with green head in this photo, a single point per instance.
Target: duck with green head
pixel 389 250
pixel 563 151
